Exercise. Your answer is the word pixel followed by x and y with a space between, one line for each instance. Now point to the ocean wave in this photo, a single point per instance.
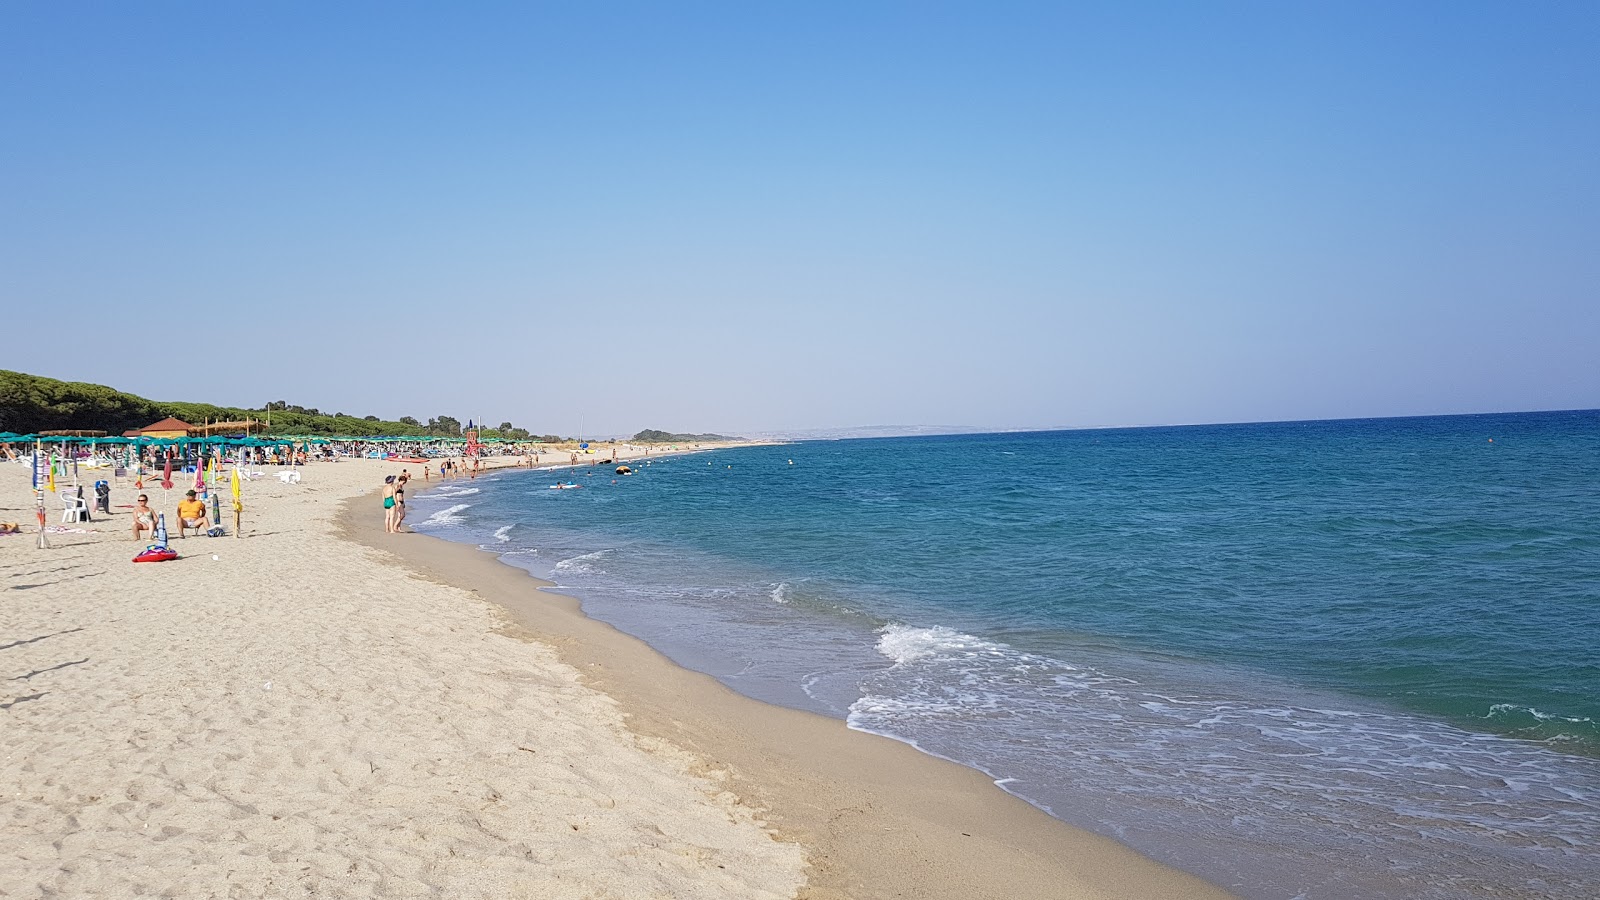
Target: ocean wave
pixel 448 516
pixel 503 533
pixel 1511 709
pixel 1532 723
pixel 1304 770
pixel 907 644
pixel 780 593
pixel 448 492
pixel 584 564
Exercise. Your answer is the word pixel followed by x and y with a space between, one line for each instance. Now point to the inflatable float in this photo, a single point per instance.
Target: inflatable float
pixel 624 470
pixel 564 487
pixel 156 553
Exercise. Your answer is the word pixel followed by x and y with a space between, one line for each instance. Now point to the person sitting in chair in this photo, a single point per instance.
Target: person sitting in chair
pixel 144 518
pixel 192 514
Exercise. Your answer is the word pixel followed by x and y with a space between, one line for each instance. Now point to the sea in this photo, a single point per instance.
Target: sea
pixel 1323 659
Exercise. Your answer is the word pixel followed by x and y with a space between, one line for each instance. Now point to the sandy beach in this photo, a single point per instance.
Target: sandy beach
pixel 322 709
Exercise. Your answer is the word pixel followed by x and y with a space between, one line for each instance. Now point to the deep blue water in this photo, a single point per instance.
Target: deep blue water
pixel 1321 659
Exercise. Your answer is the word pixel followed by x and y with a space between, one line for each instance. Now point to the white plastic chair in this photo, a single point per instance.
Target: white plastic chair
pixel 73 507
pixel 289 477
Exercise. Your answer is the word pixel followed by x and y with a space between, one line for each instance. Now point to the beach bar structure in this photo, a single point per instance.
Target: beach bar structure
pixel 245 426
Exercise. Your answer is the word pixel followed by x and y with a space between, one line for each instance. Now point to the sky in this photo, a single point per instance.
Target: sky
pixel 594 218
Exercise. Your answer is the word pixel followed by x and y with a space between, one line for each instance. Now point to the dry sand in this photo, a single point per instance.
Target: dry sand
pixel 327 710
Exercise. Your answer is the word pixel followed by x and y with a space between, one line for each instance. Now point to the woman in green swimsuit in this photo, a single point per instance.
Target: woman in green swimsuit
pixel 388 504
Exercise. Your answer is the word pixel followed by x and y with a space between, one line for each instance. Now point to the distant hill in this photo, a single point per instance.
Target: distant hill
pixel 652 436
pixel 875 431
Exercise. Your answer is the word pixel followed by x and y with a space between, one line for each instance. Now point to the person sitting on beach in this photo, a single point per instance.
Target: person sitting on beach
pixel 144 518
pixel 192 514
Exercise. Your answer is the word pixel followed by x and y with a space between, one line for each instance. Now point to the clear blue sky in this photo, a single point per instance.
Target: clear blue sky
pixel 753 216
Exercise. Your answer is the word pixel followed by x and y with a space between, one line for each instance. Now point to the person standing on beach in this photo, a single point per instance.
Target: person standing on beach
pixel 388 504
pixel 400 501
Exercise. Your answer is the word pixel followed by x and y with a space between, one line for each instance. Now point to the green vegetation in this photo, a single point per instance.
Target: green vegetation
pixel 652 436
pixel 30 403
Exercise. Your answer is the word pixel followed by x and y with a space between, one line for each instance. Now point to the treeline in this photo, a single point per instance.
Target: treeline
pixel 652 436
pixel 31 403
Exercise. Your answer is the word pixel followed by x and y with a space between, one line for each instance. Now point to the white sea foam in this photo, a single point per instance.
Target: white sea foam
pixel 503 533
pixel 449 516
pixel 583 565
pixel 449 492
pixel 906 643
pixel 780 593
pixel 1508 709
pixel 1289 769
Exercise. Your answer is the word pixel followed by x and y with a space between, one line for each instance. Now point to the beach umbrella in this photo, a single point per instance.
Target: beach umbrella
pixel 238 507
pixel 38 495
pixel 166 480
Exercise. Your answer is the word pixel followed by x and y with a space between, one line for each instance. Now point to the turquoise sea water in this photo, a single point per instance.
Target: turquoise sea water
pixel 1319 659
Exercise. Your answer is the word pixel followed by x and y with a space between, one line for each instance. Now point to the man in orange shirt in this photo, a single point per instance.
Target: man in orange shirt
pixel 191 514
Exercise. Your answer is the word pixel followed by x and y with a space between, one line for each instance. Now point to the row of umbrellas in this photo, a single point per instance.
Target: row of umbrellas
pixel 278 441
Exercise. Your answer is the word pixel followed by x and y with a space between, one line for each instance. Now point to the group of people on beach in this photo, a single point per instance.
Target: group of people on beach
pixel 191 514
pixel 394 501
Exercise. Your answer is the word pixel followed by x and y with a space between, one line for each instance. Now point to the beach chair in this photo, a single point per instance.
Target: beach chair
pixel 73 507
pixel 289 476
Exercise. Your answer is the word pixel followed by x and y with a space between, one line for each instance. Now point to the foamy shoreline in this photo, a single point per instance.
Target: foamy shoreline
pixel 305 714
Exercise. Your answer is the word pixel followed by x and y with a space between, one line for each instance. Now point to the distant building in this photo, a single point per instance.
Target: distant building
pixel 166 428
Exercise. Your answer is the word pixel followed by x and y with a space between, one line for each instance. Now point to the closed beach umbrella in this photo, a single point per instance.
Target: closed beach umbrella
pixel 238 507
pixel 166 473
